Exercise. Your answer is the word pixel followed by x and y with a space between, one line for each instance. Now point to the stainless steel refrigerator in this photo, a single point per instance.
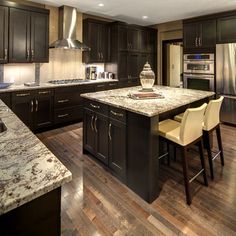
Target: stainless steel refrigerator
pixel 226 80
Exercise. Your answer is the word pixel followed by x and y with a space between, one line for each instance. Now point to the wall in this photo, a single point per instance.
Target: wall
pixel 62 63
pixel 166 31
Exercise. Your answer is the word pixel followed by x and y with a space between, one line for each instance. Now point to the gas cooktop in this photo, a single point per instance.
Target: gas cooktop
pixel 68 81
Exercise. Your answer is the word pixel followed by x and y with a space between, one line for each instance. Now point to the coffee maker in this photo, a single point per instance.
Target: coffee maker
pixel 91 72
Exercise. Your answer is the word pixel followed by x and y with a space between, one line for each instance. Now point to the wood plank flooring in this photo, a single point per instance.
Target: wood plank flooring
pixel 96 203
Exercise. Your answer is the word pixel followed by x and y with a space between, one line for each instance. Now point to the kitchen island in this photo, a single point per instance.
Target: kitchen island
pixel 122 133
pixel 30 181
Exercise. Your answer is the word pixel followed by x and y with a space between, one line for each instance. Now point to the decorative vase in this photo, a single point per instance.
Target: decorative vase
pixel 147 78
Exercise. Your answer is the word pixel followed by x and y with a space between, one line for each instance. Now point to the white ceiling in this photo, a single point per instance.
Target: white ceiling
pixel 158 11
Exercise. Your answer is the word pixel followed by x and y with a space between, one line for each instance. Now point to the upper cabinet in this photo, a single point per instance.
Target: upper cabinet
pixel 24 34
pixel 226 32
pixel 95 35
pixel 201 34
pixel 3 34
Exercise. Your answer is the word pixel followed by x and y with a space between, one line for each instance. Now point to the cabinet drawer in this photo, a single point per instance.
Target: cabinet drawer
pixel 63 100
pixel 112 85
pixel 43 93
pixel 68 114
pixel 97 107
pixel 117 114
pixel 100 87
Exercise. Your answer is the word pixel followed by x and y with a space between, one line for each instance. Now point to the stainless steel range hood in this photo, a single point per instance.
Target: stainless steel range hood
pixel 67 30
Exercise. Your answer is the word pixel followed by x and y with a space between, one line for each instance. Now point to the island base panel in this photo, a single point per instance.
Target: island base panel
pixel 142 156
pixel 41 216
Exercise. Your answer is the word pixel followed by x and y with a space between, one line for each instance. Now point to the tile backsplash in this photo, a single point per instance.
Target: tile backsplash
pixel 63 64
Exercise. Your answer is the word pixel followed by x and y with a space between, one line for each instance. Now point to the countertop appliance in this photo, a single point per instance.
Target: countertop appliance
pixel 91 72
pixel 226 80
pixel 199 72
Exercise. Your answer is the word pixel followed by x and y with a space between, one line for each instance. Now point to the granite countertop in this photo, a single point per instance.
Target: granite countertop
pixel 173 98
pixel 22 87
pixel 27 168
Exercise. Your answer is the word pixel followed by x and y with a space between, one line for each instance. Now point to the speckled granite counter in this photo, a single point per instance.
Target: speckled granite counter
pixel 173 98
pixel 22 87
pixel 27 168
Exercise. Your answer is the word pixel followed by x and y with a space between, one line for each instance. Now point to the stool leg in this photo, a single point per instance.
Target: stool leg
pixel 200 145
pixel 218 133
pixel 185 173
pixel 209 154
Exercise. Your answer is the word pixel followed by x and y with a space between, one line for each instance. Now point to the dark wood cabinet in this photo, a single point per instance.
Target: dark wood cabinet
pixel 19 36
pixel 201 34
pixel 3 34
pixel 39 37
pixel 34 108
pixel 133 39
pixel 133 66
pixel 24 34
pixel 23 106
pixel 95 35
pixel 226 29
pixel 121 40
pixel 148 40
pixel 6 98
pixel 104 136
pixel 117 147
pixel 43 113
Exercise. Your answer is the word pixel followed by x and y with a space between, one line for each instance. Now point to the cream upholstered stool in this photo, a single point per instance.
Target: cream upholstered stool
pixel 184 134
pixel 211 122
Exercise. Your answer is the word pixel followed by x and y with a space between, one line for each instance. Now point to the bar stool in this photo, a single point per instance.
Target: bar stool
pixel 182 135
pixel 210 124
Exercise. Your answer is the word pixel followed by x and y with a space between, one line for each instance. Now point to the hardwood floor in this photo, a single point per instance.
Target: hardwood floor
pixel 96 203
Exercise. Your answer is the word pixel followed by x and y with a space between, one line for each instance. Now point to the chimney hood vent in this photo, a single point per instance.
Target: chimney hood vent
pixel 67 30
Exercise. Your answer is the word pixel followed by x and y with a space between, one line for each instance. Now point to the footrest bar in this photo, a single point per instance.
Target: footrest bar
pixel 216 155
pixel 194 177
pixel 166 154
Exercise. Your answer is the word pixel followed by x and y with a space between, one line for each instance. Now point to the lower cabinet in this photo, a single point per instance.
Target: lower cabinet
pixel 105 138
pixel 34 108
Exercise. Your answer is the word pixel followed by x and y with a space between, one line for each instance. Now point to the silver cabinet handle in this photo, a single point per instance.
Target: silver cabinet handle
pixel 22 94
pixel 102 55
pixel 32 54
pixel 196 42
pixel 32 106
pixel 94 106
pixel 6 54
pixel 100 85
pixel 63 101
pixel 112 84
pixel 91 124
pixel 37 105
pixel 109 132
pixel 28 54
pixel 44 92
pixel 199 41
pixel 61 116
pixel 95 124
pixel 117 114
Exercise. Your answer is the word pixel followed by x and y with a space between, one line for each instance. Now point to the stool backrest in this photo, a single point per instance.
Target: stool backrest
pixel 191 125
pixel 212 114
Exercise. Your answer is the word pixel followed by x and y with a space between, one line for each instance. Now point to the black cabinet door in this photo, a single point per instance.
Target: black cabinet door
pixel 133 66
pixel 207 34
pixel 103 43
pixel 19 36
pixel 122 66
pixel 190 35
pixel 39 37
pixel 43 116
pixel 3 34
pixel 23 106
pixel 122 38
pixel 101 140
pixel 89 131
pixel 94 42
pixel 226 32
pixel 133 39
pixel 6 98
pixel 117 147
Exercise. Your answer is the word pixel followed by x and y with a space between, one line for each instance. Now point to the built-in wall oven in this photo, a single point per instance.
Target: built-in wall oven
pixel 199 72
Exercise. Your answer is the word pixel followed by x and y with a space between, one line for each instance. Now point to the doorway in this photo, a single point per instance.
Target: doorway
pixel 172 62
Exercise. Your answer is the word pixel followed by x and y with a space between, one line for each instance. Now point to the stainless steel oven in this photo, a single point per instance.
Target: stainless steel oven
pixel 199 81
pixel 199 63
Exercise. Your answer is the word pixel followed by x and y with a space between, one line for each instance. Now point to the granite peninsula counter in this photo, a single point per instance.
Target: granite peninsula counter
pixel 30 176
pixel 122 133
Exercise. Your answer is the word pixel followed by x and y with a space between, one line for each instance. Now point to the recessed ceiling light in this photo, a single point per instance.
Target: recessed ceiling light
pixel 145 17
pixel 101 5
